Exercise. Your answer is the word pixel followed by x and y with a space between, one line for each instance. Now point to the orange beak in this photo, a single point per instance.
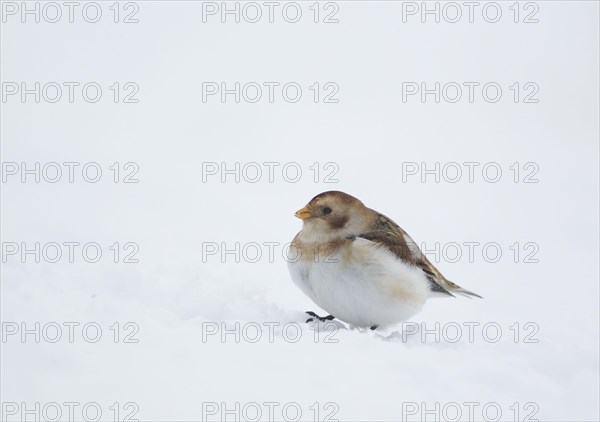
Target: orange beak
pixel 303 213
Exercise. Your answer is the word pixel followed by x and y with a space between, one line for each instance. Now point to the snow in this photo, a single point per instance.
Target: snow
pixel 196 313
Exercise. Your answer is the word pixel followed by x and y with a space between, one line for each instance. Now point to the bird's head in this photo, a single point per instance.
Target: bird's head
pixel 332 215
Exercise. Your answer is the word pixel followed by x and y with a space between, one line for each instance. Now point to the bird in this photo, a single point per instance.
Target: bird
pixel 360 266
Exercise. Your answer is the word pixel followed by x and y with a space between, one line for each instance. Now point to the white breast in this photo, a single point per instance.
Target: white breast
pixel 362 284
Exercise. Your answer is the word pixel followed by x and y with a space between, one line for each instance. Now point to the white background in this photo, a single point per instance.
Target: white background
pixel 171 294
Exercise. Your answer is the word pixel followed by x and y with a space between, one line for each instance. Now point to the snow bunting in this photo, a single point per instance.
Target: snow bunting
pixel 360 266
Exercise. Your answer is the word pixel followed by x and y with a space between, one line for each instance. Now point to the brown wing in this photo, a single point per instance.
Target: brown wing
pixel 391 236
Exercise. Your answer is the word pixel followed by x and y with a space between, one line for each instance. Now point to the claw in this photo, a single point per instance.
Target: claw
pixel 315 316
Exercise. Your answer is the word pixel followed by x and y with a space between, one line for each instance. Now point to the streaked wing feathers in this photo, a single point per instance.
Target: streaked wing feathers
pixel 389 235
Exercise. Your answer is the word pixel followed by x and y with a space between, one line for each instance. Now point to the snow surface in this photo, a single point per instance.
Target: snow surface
pixel 179 367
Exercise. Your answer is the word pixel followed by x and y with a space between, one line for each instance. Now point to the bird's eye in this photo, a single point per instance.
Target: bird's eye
pixel 326 210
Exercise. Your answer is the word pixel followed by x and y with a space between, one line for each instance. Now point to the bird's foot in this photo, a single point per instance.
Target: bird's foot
pixel 315 316
pixel 374 327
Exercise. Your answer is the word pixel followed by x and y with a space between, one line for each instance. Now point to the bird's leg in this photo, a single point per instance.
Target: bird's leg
pixel 322 319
